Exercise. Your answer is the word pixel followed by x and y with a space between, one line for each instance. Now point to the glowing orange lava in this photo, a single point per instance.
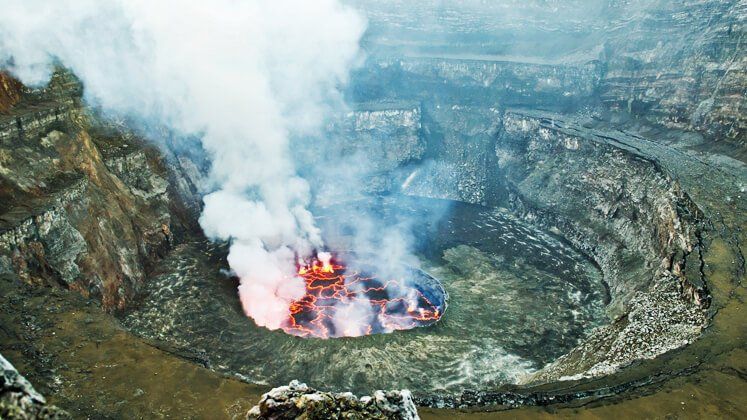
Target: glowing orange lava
pixel 340 302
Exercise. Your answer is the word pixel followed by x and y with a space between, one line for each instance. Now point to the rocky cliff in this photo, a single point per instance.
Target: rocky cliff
pixel 678 65
pixel 80 207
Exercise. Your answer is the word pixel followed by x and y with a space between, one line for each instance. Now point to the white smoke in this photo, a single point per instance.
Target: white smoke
pixel 246 76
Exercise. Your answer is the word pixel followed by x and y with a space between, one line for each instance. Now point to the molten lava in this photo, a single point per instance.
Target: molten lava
pixel 342 302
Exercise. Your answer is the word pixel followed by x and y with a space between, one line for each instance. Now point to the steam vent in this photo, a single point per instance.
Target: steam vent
pixel 386 209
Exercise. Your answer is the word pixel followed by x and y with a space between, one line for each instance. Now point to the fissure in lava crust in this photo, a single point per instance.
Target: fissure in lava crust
pixel 342 301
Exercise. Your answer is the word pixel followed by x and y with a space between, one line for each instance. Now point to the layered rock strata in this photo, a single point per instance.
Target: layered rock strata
pixel 80 208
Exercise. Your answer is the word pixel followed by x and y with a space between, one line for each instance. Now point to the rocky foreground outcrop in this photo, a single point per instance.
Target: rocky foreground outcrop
pixel 298 401
pixel 19 400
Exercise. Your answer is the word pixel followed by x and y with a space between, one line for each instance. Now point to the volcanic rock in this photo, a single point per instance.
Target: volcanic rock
pixel 19 400
pixel 90 208
pixel 10 92
pixel 83 204
pixel 297 400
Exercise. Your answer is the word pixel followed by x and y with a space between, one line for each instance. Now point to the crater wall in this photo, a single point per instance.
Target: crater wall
pixel 597 189
pixel 80 209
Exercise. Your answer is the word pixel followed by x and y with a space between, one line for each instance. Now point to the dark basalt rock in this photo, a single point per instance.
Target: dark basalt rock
pixel 297 400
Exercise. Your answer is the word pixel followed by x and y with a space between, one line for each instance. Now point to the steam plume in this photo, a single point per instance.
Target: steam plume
pixel 246 76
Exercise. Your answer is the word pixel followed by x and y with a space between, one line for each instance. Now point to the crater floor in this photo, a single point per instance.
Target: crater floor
pixel 519 298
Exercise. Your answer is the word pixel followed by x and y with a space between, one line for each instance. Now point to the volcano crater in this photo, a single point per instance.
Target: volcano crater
pixel 551 275
pixel 474 253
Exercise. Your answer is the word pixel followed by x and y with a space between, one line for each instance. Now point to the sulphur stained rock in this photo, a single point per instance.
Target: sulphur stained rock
pixel 297 400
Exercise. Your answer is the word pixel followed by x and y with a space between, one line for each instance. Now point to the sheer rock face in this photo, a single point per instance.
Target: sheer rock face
pixel 297 400
pixel 442 151
pixel 680 64
pixel 82 207
pixel 461 155
pixel 673 64
pixel 373 142
pixel 486 81
pixel 19 400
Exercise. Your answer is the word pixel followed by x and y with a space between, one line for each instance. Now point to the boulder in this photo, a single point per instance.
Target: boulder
pixel 299 401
